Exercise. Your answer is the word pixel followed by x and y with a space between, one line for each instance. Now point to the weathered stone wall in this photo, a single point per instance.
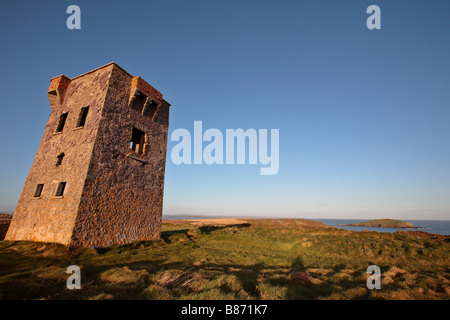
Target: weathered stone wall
pixel 5 220
pixel 49 218
pixel 127 187
pixel 113 194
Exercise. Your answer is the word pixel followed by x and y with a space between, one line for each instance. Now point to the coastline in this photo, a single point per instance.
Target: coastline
pixel 431 226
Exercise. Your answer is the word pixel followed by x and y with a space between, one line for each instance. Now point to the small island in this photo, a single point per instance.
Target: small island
pixel 384 223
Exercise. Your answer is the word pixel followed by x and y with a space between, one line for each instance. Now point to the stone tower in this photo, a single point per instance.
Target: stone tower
pixel 98 175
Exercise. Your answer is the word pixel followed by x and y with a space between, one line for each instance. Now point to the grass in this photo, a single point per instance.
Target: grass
pixel 266 260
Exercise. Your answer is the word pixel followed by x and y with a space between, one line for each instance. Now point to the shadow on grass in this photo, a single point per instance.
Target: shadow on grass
pixel 26 274
pixel 208 229
pixel 229 280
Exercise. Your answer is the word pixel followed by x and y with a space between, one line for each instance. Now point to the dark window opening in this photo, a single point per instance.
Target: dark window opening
pixel 82 118
pixel 62 122
pixel 139 101
pixel 137 141
pixel 38 191
pixel 151 109
pixel 60 190
pixel 60 158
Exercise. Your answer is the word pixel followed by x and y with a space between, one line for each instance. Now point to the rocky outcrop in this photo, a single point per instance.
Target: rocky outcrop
pixel 384 223
pixel 5 220
pixel 379 225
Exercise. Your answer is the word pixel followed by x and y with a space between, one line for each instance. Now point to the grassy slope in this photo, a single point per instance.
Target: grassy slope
pixel 266 261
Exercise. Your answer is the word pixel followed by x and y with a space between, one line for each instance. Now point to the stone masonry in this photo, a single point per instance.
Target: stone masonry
pixel 98 175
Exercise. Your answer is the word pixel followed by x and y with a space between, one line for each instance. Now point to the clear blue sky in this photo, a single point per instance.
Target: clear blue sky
pixel 364 115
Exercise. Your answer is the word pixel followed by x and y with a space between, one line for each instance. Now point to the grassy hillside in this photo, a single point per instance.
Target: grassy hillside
pixel 278 259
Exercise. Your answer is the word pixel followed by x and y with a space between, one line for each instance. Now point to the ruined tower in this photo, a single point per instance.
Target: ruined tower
pixel 98 175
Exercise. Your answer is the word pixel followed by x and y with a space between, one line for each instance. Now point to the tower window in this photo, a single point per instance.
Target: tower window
pixel 60 190
pixel 137 141
pixel 82 118
pixel 60 158
pixel 62 122
pixel 139 101
pixel 150 109
pixel 38 191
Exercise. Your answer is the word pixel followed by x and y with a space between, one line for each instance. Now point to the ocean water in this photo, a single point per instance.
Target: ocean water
pixel 432 226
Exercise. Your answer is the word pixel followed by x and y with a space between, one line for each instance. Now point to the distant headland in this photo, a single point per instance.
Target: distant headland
pixel 384 223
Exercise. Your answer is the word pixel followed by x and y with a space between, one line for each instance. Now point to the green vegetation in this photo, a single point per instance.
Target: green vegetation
pixel 384 223
pixel 277 259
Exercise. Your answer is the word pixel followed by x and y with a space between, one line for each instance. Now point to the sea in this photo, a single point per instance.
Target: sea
pixel 431 226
